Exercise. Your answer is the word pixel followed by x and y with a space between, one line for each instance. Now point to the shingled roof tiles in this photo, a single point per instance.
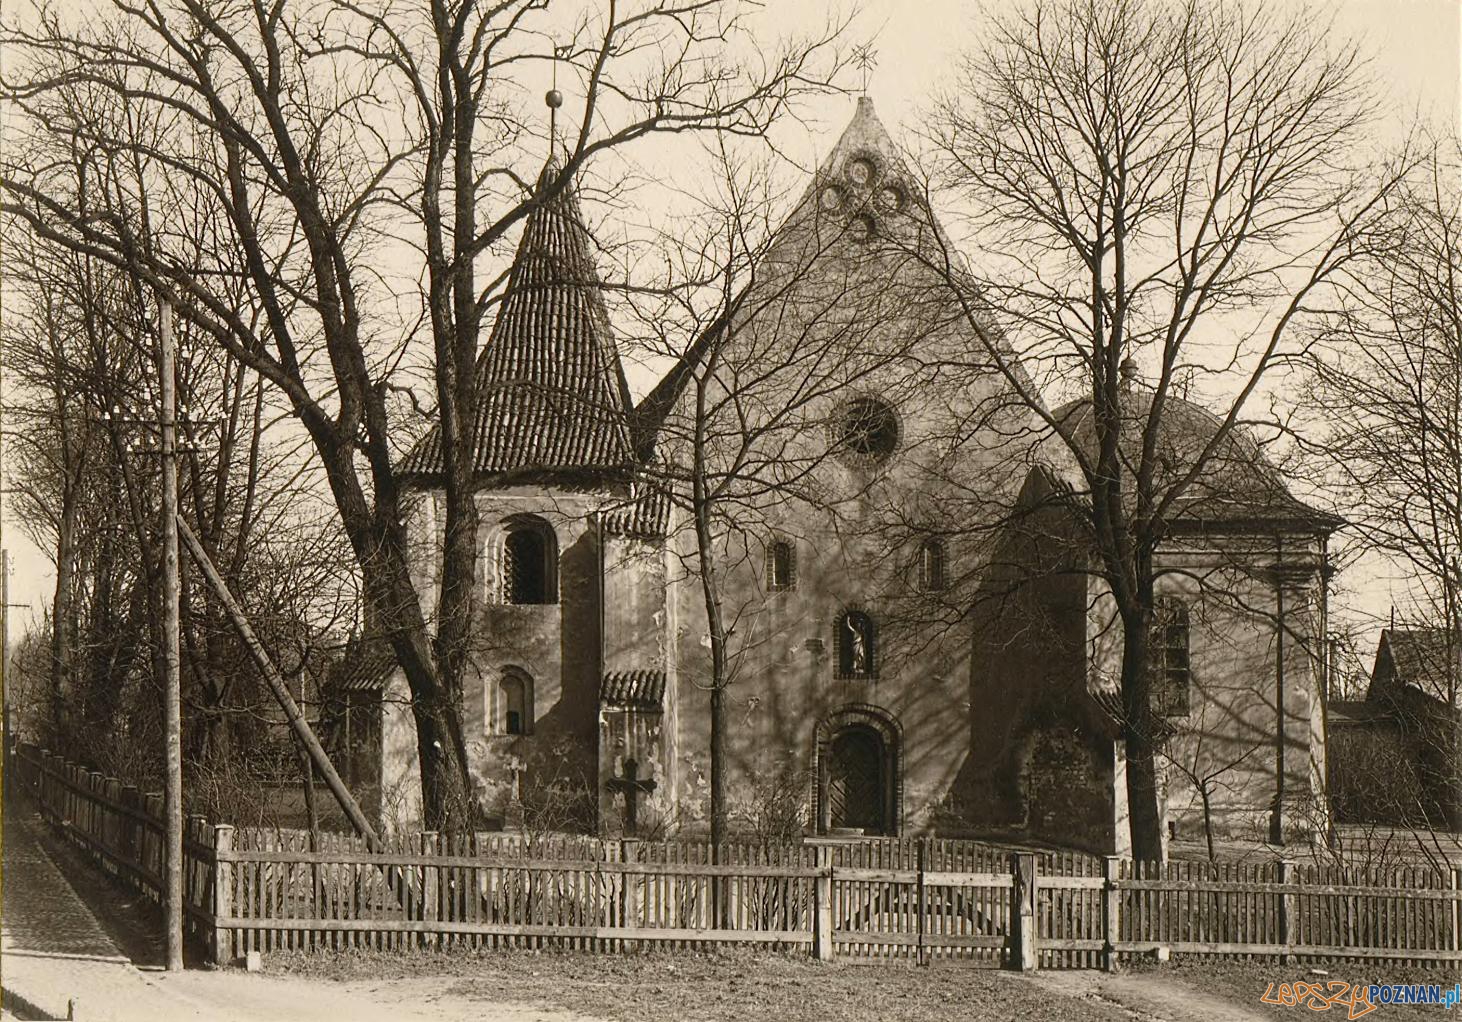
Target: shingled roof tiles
pixel 551 390
pixel 645 516
pixel 640 690
pixel 365 666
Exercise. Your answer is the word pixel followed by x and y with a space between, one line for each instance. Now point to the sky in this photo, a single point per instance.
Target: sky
pixel 1417 47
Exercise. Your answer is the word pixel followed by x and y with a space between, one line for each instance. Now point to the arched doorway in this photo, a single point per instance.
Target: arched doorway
pixel 858 772
pixel 855 781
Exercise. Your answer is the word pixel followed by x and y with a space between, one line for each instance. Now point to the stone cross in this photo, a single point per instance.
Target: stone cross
pixel 631 784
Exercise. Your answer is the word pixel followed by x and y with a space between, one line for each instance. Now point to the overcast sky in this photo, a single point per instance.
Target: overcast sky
pixel 1416 45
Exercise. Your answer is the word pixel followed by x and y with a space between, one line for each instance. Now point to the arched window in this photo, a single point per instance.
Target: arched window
pixel 1168 657
pixel 931 565
pixel 855 639
pixel 530 562
pixel 781 565
pixel 514 714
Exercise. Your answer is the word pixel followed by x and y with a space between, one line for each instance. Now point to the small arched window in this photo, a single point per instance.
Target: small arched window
pixel 931 565
pixel 514 703
pixel 530 562
pixel 781 565
pixel 855 640
pixel 1168 648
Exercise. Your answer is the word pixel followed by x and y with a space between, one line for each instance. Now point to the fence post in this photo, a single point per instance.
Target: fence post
pixel 822 906
pixel 629 885
pixel 430 884
pixel 1023 911
pixel 1111 912
pixel 131 839
pixel 1289 922
pixel 156 864
pixel 223 894
pixel 1455 883
pixel 923 898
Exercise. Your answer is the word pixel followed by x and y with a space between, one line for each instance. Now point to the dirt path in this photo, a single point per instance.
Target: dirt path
pixel 1148 996
pixel 235 995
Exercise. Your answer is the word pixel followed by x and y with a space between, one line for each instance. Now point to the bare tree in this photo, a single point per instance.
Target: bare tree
pixel 1165 183
pixel 321 139
pixel 1385 400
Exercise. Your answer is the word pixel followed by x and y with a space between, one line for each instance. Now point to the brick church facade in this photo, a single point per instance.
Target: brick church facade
pixel 896 666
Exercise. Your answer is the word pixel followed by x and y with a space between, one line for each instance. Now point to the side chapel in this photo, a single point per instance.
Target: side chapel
pixel 594 655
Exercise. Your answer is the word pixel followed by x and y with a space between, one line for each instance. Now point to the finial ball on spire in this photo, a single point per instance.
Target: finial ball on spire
pixel 553 98
pixel 1128 369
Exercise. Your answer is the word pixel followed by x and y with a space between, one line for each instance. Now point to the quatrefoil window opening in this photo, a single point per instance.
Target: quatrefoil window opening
pixel 863 173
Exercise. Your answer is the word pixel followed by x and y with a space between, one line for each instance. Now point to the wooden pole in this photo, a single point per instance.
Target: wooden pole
pixel 822 906
pixel 170 633
pixel 281 691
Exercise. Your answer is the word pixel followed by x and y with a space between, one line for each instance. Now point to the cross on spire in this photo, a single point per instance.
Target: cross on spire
pixel 865 58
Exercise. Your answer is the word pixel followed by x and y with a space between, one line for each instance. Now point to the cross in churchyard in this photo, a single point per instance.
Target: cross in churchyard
pixel 631 784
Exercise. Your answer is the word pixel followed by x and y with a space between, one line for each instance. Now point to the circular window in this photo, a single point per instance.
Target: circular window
pixel 832 197
pixel 859 170
pixel 868 428
pixel 890 199
pixel 862 228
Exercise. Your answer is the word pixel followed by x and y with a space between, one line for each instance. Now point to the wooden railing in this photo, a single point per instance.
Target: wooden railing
pixel 916 899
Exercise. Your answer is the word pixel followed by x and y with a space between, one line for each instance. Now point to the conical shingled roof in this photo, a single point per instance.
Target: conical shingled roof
pixel 551 391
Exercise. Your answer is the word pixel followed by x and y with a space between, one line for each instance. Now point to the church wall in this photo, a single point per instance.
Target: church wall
pixel 638 635
pixel 1046 766
pixel 784 678
pixel 1229 732
pixel 857 551
pixel 556 645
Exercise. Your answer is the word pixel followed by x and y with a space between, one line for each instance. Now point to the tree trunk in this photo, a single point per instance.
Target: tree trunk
pixel 62 613
pixel 1139 738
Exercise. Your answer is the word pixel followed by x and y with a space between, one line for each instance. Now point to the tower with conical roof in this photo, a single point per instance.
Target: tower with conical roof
pixel 566 589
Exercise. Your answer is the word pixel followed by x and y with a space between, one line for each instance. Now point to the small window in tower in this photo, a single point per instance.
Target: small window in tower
pixel 931 565
pixel 781 565
pixel 1168 649
pixel 530 562
pixel 868 429
pixel 855 639
pixel 515 703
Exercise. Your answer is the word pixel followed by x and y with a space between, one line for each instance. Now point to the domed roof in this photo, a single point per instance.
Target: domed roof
pixel 1237 486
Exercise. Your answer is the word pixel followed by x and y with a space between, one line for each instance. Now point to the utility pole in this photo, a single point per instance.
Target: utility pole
pixel 172 656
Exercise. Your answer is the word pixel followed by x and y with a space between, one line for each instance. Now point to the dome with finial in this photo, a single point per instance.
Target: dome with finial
pixel 1237 487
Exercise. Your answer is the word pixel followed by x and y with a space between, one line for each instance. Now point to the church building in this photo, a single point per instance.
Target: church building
pixel 898 659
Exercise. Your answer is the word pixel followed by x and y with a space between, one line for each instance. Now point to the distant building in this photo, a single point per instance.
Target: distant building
pixel 896 696
pixel 1397 756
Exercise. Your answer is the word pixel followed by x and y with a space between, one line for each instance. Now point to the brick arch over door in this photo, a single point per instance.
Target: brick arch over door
pixel 853 732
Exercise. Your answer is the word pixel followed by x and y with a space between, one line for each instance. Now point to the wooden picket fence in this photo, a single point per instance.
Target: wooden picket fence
pixel 912 899
pixel 121 829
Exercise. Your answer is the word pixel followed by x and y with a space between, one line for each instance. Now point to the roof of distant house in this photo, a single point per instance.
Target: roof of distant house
pixel 1419 657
